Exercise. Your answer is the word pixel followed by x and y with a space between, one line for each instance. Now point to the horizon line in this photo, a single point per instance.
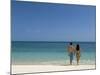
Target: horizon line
pixel 49 41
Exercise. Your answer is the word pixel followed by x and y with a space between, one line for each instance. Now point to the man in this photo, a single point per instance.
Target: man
pixel 71 51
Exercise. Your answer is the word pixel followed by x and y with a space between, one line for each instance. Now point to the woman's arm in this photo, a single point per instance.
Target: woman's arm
pixel 80 52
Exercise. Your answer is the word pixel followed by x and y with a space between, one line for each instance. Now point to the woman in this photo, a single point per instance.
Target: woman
pixel 77 53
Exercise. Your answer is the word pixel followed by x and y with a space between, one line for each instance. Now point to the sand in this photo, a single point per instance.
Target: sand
pixel 18 69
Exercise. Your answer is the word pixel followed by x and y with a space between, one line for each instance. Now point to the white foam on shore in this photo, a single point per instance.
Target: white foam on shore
pixel 58 62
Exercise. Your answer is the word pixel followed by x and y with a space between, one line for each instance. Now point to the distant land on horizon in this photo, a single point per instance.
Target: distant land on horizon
pixel 53 41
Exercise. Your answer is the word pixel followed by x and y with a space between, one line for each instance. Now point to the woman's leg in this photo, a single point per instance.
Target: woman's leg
pixel 77 61
pixel 78 58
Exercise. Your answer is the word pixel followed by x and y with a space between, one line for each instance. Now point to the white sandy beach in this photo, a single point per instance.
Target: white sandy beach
pixel 16 69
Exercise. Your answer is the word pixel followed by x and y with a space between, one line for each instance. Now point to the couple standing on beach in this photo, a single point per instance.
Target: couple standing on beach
pixel 72 50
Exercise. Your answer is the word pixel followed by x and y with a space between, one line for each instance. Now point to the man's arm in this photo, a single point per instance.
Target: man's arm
pixel 74 48
pixel 68 50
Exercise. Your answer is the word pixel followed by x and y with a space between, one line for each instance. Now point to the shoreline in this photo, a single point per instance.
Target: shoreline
pixel 18 69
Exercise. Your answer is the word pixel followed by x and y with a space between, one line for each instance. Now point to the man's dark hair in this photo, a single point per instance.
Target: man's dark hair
pixel 70 43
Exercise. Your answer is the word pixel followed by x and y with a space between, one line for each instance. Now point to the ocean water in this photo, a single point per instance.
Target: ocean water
pixel 49 53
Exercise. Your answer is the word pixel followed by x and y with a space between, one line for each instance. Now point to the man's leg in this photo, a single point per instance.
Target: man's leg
pixel 71 58
pixel 70 62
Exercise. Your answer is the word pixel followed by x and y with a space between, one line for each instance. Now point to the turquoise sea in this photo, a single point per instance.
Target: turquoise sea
pixel 49 53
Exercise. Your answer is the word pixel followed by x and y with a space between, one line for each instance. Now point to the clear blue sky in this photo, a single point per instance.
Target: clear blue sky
pixel 33 21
